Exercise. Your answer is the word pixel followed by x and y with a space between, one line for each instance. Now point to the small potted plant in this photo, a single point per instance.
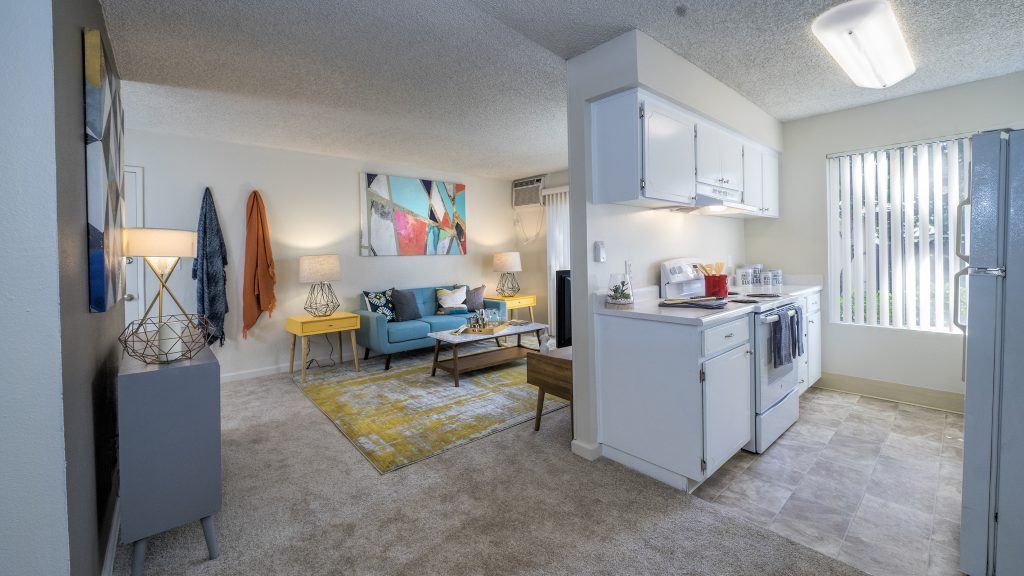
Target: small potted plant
pixel 620 290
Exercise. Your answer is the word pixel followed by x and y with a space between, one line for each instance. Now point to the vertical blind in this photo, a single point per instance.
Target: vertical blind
pixel 893 234
pixel 556 203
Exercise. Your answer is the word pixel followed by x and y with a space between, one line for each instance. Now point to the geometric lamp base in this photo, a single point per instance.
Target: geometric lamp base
pixel 163 340
pixel 321 300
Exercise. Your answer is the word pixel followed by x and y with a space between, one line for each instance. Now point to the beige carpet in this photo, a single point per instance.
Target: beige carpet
pixel 299 502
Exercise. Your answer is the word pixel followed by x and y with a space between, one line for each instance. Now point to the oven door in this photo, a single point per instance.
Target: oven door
pixel 772 383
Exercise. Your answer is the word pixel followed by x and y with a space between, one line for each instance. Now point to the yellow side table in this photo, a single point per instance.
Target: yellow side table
pixel 516 302
pixel 306 326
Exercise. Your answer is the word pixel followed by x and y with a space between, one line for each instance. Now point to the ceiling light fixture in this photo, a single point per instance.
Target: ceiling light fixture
pixel 865 39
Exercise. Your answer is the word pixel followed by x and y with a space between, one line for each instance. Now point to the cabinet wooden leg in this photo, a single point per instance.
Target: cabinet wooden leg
pixel 291 359
pixel 341 353
pixel 531 314
pixel 138 557
pixel 540 409
pixel 211 537
pixel 355 351
pixel 305 356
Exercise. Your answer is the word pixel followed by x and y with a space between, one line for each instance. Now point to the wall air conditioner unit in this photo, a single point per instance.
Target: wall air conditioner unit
pixel 528 208
pixel 527 191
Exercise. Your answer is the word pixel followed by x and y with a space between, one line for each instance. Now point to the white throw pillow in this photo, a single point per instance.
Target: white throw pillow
pixel 451 298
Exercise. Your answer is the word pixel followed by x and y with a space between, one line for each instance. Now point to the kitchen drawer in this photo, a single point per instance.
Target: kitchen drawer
pixel 330 325
pixel 726 336
pixel 814 302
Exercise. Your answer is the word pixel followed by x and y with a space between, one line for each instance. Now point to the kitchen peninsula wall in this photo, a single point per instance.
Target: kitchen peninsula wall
pixel 644 237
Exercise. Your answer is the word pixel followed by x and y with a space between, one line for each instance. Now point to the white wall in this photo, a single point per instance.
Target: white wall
pixel 33 484
pixel 796 242
pixel 312 204
pixel 644 237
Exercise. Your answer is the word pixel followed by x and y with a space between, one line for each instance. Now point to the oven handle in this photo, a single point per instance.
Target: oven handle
pixel 775 317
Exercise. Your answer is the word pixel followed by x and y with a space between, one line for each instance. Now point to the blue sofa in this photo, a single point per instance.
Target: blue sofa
pixel 383 337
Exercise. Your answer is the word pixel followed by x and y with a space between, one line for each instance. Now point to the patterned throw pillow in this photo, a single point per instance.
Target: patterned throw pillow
pixel 380 302
pixel 447 300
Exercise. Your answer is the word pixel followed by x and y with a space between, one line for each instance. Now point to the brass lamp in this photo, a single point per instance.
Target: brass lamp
pixel 166 337
pixel 320 270
pixel 508 263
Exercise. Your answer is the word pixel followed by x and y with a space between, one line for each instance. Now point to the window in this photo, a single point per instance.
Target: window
pixel 893 234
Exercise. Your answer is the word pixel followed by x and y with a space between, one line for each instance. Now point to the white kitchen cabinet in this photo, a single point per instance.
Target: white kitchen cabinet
pixel 719 158
pixel 727 406
pixel 753 176
pixel 770 185
pixel 642 151
pixel 813 347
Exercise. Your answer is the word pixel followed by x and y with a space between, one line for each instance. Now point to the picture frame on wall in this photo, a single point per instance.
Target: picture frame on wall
pixel 104 158
pixel 402 216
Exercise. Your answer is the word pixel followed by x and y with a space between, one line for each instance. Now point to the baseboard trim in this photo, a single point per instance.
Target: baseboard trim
pixel 254 373
pixel 937 399
pixel 588 450
pixel 110 550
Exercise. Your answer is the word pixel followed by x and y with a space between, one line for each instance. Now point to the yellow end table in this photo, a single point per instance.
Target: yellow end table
pixel 306 326
pixel 516 302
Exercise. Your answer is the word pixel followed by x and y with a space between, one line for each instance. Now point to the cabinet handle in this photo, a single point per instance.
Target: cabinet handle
pixel 730 335
pixel 811 321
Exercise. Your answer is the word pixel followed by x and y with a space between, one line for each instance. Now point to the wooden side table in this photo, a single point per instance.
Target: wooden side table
pixel 306 326
pixel 516 302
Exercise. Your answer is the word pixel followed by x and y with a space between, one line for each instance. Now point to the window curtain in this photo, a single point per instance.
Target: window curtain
pixel 894 235
pixel 556 204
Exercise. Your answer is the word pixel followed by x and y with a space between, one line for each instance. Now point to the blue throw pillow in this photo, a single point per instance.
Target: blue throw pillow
pixel 380 302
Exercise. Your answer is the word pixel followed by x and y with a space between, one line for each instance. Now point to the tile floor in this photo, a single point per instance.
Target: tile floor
pixel 873 483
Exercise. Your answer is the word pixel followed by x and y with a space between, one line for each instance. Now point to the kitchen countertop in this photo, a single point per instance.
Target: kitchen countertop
pixel 646 306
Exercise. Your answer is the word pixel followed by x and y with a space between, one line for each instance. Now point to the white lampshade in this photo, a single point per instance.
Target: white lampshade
pixel 319 268
pixel 159 242
pixel 865 39
pixel 507 262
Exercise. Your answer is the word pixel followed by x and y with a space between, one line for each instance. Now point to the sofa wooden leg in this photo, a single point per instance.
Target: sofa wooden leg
pixel 366 354
pixel 387 362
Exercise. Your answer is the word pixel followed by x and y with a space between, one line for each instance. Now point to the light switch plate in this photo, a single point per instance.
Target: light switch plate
pixel 599 253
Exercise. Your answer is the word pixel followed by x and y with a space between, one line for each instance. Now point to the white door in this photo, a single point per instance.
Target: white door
pixel 813 347
pixel 727 405
pixel 668 155
pixel 730 151
pixel 135 268
pixel 709 164
pixel 753 181
pixel 770 188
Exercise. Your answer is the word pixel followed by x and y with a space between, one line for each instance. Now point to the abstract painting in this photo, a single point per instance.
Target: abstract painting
pixel 104 128
pixel 404 216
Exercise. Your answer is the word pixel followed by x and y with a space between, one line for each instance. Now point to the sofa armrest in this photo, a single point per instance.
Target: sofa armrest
pixel 373 330
pixel 498 305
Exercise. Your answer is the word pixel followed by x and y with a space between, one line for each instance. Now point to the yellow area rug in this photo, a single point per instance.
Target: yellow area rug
pixel 404 415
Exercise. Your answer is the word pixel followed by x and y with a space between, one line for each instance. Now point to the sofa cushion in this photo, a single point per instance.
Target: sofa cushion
pixel 438 323
pixel 475 298
pixel 408 330
pixel 406 307
pixel 380 302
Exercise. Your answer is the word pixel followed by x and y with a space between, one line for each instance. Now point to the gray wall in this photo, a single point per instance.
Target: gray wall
pixel 33 503
pixel 89 340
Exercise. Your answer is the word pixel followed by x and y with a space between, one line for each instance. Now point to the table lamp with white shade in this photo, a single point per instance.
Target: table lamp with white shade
pixel 320 270
pixel 166 337
pixel 508 263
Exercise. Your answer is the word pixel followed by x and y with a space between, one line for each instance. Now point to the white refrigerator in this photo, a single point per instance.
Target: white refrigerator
pixel 992 524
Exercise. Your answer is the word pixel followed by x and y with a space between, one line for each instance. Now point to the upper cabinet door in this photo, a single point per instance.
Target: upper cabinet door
pixel 709 162
pixel 615 148
pixel 668 155
pixel 730 151
pixel 753 182
pixel 770 189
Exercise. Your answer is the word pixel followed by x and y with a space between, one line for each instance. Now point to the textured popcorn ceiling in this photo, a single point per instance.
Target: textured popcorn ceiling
pixel 478 86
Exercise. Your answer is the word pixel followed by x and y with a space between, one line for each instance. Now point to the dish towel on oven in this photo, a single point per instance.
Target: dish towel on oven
pixel 782 339
pixel 796 328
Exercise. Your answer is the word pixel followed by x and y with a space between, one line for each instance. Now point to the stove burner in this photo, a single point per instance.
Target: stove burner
pixel 764 295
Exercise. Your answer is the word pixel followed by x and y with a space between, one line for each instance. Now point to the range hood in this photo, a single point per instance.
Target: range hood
pixel 714 206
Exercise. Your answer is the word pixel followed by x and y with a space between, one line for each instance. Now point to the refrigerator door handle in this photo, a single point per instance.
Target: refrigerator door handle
pixel 956 300
pixel 961 248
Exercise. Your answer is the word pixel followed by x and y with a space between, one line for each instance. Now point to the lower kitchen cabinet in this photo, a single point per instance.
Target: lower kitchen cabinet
pixel 666 409
pixel 727 405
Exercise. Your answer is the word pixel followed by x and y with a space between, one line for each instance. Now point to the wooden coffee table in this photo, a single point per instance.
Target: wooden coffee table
pixel 501 355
